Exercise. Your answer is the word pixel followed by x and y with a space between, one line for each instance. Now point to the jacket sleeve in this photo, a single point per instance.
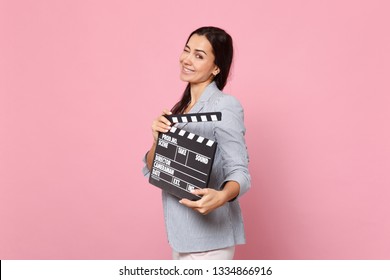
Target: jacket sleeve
pixel 230 135
pixel 145 169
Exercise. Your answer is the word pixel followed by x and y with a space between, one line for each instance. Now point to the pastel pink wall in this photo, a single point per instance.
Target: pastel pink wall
pixel 81 81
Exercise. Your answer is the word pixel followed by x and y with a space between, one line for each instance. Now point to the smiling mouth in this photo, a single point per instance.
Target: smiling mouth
pixel 186 70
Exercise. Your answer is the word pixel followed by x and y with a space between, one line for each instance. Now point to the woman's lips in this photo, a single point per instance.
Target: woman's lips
pixel 186 70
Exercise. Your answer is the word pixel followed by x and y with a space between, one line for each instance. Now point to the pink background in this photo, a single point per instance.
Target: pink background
pixel 81 81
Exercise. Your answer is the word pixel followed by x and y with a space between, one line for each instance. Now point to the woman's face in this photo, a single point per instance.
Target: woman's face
pixel 197 61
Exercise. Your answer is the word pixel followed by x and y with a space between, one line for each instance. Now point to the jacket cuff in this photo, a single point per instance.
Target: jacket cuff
pixel 242 180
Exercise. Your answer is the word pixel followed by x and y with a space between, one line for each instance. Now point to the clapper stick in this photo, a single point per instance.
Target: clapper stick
pixel 183 160
pixel 199 117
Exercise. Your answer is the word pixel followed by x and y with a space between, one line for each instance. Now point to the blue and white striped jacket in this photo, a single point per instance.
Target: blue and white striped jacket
pixel 188 230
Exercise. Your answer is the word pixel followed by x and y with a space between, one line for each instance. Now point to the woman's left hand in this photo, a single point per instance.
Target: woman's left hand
pixel 211 199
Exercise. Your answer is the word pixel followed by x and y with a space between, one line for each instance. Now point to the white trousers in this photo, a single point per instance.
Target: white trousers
pixel 219 254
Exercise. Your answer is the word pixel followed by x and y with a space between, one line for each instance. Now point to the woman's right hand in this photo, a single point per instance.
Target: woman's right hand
pixel 161 124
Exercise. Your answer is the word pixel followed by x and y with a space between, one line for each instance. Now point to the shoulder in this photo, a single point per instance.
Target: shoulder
pixel 217 100
pixel 228 102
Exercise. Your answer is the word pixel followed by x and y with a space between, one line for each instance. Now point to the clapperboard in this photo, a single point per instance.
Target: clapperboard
pixel 183 160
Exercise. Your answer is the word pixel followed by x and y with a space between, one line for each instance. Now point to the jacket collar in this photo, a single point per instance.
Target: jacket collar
pixel 206 95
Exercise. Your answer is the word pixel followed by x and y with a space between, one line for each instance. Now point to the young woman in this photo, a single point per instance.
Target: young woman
pixel 210 227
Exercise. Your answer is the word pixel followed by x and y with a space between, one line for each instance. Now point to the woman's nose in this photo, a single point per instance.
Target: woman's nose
pixel 187 58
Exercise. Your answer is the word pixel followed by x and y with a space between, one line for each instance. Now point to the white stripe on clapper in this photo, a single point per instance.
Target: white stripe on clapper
pixel 182 132
pixel 200 139
pixel 190 136
pixel 210 143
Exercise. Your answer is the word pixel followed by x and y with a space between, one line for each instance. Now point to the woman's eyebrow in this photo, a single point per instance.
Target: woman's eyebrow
pixel 201 51
pixel 197 50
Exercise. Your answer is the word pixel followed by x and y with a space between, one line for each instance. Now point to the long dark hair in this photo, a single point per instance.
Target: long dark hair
pixel 222 45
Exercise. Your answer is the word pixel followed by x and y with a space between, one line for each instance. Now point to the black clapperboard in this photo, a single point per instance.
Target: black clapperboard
pixel 183 160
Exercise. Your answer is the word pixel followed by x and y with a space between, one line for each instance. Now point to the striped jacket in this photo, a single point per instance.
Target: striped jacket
pixel 188 230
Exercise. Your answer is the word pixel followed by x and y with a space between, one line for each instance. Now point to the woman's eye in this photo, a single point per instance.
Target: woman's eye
pixel 199 56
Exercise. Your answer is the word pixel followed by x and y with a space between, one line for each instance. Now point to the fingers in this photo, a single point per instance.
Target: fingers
pixel 188 203
pixel 200 191
pixel 195 205
pixel 161 124
pixel 167 112
pixel 164 120
pixel 210 200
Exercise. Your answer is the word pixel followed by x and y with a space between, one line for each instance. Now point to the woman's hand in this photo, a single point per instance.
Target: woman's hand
pixel 161 124
pixel 212 199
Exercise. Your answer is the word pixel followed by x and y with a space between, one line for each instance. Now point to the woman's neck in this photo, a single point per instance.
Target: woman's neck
pixel 197 91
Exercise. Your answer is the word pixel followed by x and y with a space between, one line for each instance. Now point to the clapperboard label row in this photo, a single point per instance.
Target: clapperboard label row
pixel 183 160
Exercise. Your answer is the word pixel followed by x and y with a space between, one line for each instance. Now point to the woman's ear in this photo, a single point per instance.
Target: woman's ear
pixel 216 71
